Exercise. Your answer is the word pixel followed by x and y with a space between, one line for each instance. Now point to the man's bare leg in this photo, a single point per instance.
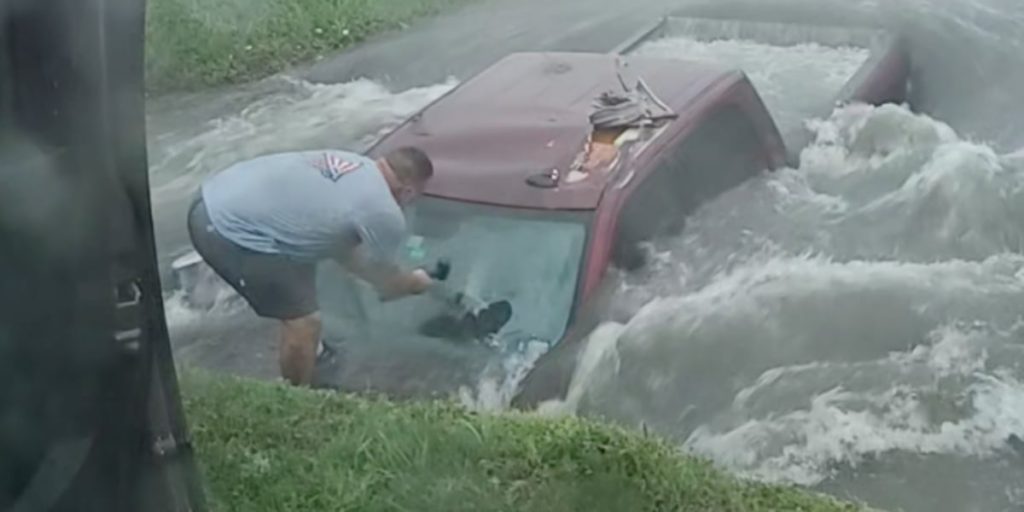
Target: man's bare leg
pixel 299 340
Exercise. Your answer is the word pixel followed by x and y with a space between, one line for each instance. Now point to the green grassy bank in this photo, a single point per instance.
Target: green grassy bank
pixel 267 447
pixel 192 44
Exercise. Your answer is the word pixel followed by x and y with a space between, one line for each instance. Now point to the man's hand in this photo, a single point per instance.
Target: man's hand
pixel 391 281
pixel 402 284
pixel 421 280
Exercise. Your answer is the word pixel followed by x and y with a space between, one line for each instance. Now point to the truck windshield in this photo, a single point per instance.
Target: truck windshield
pixel 530 258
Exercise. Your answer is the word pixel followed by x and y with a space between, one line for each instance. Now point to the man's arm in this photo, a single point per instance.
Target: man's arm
pixel 387 277
pixel 373 260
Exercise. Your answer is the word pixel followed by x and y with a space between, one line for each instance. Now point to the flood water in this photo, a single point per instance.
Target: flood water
pixel 853 325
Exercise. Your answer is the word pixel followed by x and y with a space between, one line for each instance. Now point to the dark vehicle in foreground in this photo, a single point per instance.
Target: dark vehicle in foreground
pixel 90 415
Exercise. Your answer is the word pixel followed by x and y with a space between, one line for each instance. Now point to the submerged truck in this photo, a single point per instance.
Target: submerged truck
pixel 552 167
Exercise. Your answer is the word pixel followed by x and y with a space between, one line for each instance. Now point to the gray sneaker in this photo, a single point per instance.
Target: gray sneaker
pixel 327 366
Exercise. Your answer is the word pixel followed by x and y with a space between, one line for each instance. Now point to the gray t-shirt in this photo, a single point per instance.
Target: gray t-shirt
pixel 308 205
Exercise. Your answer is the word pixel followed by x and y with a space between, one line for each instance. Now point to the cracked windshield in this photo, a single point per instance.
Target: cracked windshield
pixel 515 255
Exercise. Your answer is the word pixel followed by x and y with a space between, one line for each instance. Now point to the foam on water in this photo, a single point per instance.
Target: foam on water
pixel 180 314
pixel 498 382
pixel 296 115
pixel 814 324
pixel 947 397
pixel 780 73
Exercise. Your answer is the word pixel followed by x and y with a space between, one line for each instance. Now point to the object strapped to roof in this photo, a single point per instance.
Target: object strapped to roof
pixel 615 112
pixel 628 108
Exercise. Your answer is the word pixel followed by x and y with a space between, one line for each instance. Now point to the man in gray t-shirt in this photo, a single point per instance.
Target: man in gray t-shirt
pixel 263 224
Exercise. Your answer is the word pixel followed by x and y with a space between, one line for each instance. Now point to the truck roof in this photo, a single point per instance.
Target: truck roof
pixel 529 113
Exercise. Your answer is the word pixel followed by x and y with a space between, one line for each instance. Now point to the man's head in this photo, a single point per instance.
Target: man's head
pixel 407 170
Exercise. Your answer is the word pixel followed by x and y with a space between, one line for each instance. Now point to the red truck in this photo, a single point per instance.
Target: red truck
pixel 552 167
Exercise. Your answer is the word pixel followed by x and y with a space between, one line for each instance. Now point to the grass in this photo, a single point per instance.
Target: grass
pixel 267 447
pixel 192 44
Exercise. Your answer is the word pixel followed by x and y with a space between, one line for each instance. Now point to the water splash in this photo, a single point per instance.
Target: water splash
pixel 779 73
pixel 296 115
pixel 948 397
pixel 813 325
pixel 498 382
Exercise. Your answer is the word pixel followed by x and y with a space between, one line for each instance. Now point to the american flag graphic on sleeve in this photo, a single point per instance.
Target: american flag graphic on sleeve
pixel 333 167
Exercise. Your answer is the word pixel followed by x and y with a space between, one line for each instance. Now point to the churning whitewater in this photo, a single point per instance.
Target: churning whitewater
pixel 779 73
pixel 848 324
pixel 852 324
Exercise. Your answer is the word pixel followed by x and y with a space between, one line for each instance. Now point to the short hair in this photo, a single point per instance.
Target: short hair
pixel 410 164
